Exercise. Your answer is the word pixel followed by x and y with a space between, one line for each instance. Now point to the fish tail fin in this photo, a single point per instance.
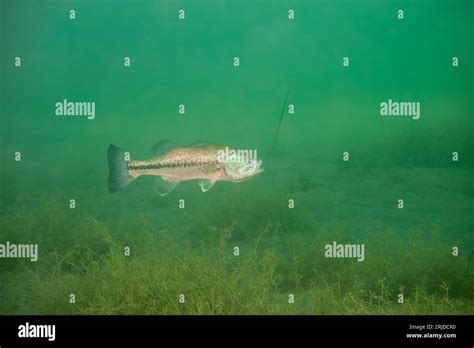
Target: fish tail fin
pixel 118 169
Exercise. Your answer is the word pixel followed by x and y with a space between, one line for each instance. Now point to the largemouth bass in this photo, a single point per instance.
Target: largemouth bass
pixel 172 163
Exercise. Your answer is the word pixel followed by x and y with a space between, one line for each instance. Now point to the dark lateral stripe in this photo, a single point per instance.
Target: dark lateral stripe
pixel 133 166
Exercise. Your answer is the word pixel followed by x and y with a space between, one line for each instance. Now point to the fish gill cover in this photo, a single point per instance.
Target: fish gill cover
pixel 360 112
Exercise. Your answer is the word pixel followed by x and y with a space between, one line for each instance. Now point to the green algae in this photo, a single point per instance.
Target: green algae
pixel 90 263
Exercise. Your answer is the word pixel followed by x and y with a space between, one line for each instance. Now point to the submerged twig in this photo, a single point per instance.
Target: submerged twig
pixel 469 263
pixel 279 121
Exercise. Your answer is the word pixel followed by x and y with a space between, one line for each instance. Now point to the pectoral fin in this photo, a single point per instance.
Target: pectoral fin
pixel 206 184
pixel 163 187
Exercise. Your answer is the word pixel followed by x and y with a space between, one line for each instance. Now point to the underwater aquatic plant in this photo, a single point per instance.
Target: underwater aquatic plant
pixel 274 263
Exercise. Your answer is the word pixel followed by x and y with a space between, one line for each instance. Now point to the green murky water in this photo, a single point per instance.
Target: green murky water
pixel 137 252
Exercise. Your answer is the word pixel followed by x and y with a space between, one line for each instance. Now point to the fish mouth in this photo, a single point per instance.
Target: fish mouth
pixel 252 167
pixel 258 168
pixel 244 170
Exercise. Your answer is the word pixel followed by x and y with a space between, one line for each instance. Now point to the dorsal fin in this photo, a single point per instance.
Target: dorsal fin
pixel 198 143
pixel 163 146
